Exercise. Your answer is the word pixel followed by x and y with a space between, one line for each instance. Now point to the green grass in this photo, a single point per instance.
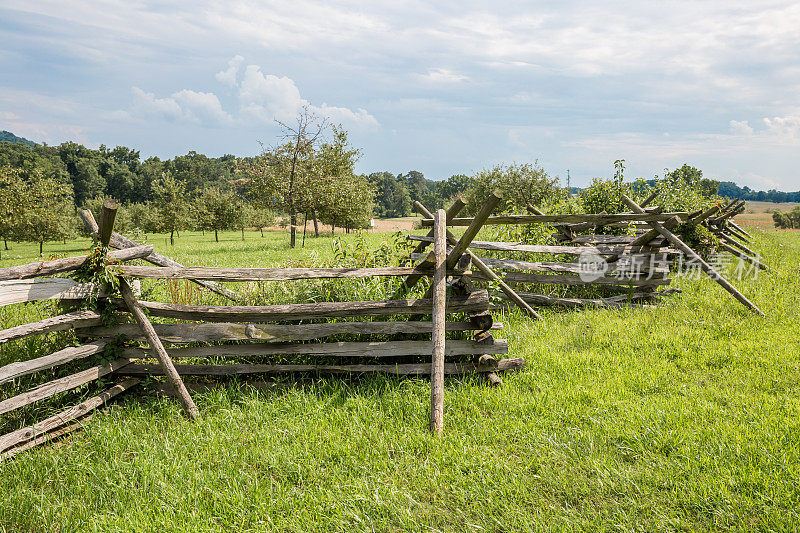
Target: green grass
pixel 681 417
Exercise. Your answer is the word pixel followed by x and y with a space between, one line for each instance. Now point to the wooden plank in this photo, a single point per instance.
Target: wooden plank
pixel 473 228
pixel 268 274
pixel 31 290
pixel 616 301
pixel 596 219
pixel 381 349
pixel 570 279
pixel 575 268
pixel 403 369
pixel 67 264
pixel 452 211
pixel 486 271
pixel 15 438
pixel 108 214
pixel 438 319
pixel 47 437
pixel 120 241
pixel 730 249
pixel 160 352
pixel 56 386
pixel 559 250
pixel 474 303
pixel 77 319
pixel 70 353
pixel 199 332
pixel 708 269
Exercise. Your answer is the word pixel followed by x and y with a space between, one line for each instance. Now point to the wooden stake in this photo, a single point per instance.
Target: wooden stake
pixel 107 217
pixel 708 269
pixel 156 346
pixel 439 312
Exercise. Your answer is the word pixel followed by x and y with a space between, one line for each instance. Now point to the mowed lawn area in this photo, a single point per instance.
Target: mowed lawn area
pixel 684 416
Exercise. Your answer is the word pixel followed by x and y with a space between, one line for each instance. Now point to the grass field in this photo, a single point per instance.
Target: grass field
pixel 681 417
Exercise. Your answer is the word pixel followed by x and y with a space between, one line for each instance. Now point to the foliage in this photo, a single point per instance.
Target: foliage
pixel 47 211
pixel 521 184
pixel 788 220
pixel 218 210
pixel 100 272
pixel 171 205
pixel 12 189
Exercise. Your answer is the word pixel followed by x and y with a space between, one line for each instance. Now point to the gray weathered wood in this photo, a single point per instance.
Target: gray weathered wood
pixel 558 250
pixel 31 290
pixel 439 290
pixel 708 269
pixel 571 279
pixel 9 440
pixel 120 241
pixel 65 355
pixel 452 211
pixel 486 271
pixel 199 332
pixel 615 301
pixel 68 264
pixel 47 437
pixel 596 219
pixel 160 352
pixel 56 386
pixel 730 249
pixel 660 265
pixel 474 303
pixel 74 320
pixel 108 214
pixel 402 369
pixel 381 349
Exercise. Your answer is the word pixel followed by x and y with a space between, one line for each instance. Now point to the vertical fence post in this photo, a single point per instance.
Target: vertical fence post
pixel 439 311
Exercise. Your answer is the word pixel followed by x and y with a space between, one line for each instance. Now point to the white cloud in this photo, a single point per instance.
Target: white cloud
pixel 8 115
pixel 184 105
pixel 266 97
pixel 784 128
pixel 740 127
pixel 228 76
pixel 442 75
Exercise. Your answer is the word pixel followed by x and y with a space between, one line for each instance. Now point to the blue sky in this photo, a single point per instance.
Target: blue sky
pixel 439 87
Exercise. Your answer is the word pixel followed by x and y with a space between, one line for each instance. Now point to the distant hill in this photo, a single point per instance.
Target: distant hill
pixel 7 136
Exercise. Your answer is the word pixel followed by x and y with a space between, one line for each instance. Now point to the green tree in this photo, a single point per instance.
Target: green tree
pixel 47 211
pixel 12 190
pixel 218 211
pixel 391 195
pixel 171 205
pixel 521 185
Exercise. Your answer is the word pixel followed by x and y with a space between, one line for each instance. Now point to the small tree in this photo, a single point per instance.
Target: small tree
pixel 171 205
pixel 47 211
pixel 218 211
pixel 11 205
pixel 261 218
pixel 521 185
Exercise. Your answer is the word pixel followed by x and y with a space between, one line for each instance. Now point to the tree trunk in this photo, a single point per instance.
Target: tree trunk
pixel 262 231
pixel 242 232
pixel 316 223
pixel 216 235
pixel 172 238
pixel 41 245
pixel 293 230
pixel 5 241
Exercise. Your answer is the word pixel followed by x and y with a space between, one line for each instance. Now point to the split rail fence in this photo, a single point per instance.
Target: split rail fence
pixel 263 331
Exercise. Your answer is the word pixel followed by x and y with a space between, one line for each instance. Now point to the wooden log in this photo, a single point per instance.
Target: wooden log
pixel 559 250
pixel 708 269
pixel 382 349
pixel 473 228
pixel 438 319
pixel 595 219
pixel 728 227
pixel 730 249
pixel 733 242
pixel 612 302
pixel 564 231
pixel 108 214
pixel 653 195
pixel 660 266
pixel 74 320
pixel 56 386
pixel 739 228
pixel 404 369
pixel 571 279
pixel 474 303
pixel 487 272
pixel 429 261
pixel 705 214
pixel 160 352
pixel 68 264
pixel 65 355
pixel 452 211
pixel 15 438
pixel 120 241
pixel 31 290
pixel 45 438
pixel 269 274
pixel 493 379
pixel 186 333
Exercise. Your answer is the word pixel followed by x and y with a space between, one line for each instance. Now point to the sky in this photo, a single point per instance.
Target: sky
pixel 440 87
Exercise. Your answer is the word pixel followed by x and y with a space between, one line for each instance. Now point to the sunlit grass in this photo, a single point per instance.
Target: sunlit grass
pixel 683 416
